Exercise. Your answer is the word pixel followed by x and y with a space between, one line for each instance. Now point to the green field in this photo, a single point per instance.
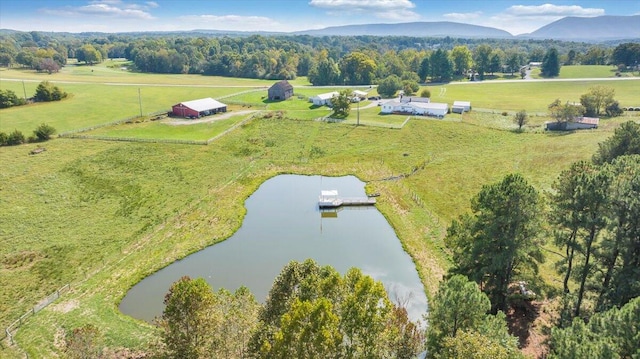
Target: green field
pixel 102 215
pixel 529 96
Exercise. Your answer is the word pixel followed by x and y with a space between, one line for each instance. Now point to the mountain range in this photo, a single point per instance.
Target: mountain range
pixel 415 29
pixel 598 28
pixel 589 29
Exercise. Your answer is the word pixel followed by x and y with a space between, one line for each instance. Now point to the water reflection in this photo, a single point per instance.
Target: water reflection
pixel 283 223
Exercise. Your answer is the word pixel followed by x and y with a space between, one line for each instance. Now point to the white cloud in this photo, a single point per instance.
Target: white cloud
pixel 384 9
pixel 463 17
pixel 553 10
pixel 152 4
pixel 232 22
pixel 105 8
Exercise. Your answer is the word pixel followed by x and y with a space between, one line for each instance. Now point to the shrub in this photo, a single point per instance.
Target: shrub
pixel 613 109
pixel 15 138
pixel 44 132
pixel 9 98
pixel 46 92
pixel 425 93
pixel 3 139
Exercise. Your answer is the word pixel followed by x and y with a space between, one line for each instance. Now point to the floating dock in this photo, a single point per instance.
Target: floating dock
pixel 331 199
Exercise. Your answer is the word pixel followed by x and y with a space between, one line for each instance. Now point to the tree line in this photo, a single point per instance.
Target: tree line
pixel 327 60
pixel 593 217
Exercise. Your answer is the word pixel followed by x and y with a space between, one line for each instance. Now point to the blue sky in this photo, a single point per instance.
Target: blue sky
pixel 513 16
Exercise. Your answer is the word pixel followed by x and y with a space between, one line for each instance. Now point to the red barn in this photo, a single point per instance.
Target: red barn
pixel 196 108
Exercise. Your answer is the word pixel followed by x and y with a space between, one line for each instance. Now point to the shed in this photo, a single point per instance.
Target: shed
pixel 196 108
pixel 323 98
pixel 281 90
pixel 461 106
pixel 579 124
pixel 360 94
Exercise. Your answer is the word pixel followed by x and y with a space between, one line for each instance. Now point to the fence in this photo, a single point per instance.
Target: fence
pixel 112 123
pixel 35 309
pixel 146 140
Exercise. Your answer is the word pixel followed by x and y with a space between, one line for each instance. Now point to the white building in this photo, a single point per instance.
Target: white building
pixel 360 94
pixel 461 106
pixel 414 99
pixel 323 98
pixel 416 108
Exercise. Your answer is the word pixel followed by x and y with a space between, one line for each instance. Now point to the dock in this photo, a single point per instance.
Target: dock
pixel 331 199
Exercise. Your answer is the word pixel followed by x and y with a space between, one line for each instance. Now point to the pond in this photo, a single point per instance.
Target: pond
pixel 283 223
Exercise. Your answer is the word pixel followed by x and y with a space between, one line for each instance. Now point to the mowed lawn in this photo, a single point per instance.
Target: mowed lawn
pixel 94 104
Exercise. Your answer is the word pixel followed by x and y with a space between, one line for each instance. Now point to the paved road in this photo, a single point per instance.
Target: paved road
pixel 547 80
pixel 310 86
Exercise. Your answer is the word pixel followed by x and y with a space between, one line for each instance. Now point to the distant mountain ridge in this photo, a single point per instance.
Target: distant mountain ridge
pixel 414 29
pixel 605 27
pixel 589 29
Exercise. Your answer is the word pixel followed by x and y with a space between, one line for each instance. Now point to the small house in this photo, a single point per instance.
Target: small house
pixel 461 106
pixel 323 98
pixel 197 108
pixel 281 90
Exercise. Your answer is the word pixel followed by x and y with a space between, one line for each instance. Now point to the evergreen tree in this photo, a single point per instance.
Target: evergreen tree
pixel 625 141
pixel 441 66
pixel 500 240
pixel 550 63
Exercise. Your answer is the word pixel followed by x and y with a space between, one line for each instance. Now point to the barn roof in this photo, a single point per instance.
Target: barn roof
pixel 462 103
pixel 589 120
pixel 203 104
pixel 284 84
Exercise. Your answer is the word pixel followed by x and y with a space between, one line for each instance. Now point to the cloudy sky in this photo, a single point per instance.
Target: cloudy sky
pixel 514 16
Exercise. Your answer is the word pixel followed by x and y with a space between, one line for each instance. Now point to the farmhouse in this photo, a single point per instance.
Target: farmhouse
pixel 281 90
pixel 579 124
pixel 323 98
pixel 461 106
pixel 196 108
pixel 416 108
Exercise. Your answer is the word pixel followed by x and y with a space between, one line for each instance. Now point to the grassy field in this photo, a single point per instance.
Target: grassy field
pixel 529 96
pixel 103 215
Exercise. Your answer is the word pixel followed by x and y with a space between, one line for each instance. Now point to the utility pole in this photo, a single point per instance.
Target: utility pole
pixel 24 90
pixel 358 118
pixel 140 101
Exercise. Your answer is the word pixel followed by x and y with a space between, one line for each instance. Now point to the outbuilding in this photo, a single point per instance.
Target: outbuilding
pixel 281 90
pixel 580 123
pixel 323 98
pixel 197 108
pixel 461 106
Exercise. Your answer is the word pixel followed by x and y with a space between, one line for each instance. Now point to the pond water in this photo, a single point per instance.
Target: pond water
pixel 283 223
